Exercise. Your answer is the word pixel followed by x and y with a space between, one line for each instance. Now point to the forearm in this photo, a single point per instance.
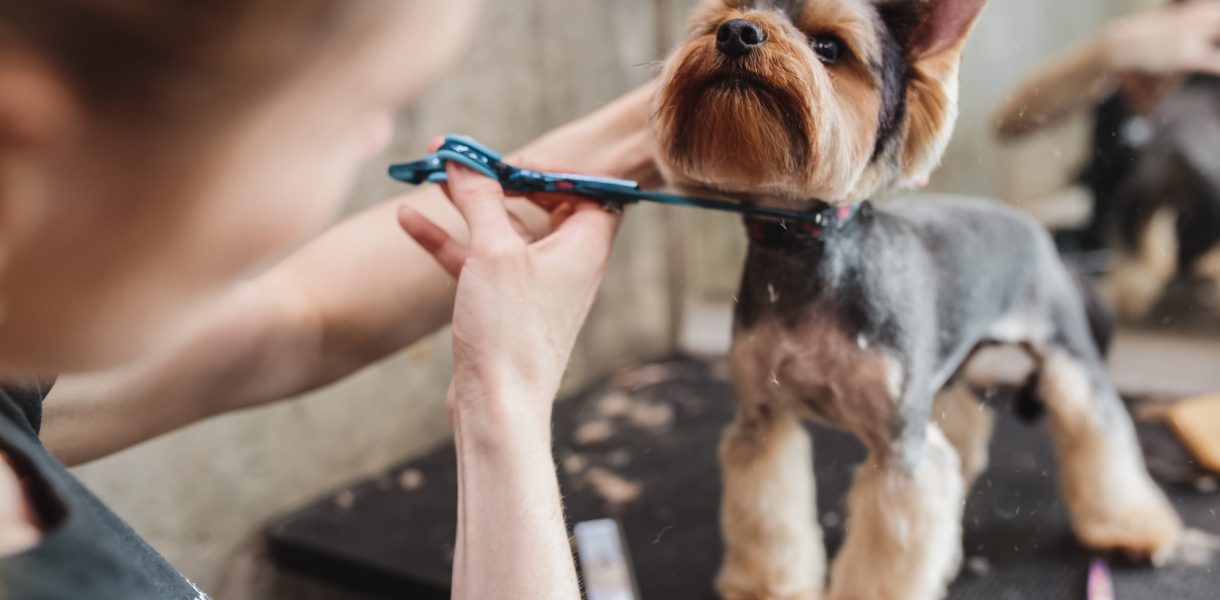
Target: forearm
pixel 413 297
pixel 1078 81
pixel 355 295
pixel 88 416
pixel 512 536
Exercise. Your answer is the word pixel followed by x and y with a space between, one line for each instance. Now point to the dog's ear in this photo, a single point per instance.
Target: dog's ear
pixel 935 34
pixel 943 27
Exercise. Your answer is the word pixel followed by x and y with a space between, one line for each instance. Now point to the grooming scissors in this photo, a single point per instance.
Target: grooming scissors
pixel 612 193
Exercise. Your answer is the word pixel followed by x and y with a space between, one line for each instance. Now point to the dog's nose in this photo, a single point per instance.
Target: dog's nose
pixel 738 37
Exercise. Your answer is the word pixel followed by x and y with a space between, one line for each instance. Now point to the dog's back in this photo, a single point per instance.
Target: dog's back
pixel 978 236
pixel 993 263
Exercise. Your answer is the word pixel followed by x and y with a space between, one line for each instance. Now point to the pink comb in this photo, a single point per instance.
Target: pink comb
pixel 1101 584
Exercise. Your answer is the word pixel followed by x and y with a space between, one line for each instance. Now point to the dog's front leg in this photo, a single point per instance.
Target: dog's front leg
pixel 773 546
pixel 904 524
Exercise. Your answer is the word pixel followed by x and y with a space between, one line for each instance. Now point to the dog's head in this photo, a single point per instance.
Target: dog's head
pixel 781 101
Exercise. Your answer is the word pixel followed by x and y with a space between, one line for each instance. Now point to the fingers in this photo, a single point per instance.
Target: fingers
pixel 1209 63
pixel 550 201
pixel 588 230
pixel 481 202
pixel 449 254
pixel 1202 17
pixel 560 215
pixel 573 219
pixel 592 219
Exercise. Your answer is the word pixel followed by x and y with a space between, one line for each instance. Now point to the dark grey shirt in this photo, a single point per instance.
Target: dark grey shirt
pixel 87 552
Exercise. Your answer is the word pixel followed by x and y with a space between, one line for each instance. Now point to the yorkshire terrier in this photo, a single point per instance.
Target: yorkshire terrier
pixel 863 317
pixel 1167 211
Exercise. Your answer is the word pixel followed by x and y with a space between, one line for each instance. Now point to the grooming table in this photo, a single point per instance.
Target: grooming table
pixel 641 447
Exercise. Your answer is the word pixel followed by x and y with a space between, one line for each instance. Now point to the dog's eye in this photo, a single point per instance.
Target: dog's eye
pixel 828 48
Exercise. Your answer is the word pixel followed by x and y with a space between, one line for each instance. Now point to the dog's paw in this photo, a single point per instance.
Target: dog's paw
pixel 730 588
pixel 1195 549
pixel 1145 532
pixel 755 595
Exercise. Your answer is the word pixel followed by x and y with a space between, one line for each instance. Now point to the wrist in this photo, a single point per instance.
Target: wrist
pixel 500 419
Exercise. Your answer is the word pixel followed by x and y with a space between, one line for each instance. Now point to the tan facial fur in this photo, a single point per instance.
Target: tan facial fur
pixel 780 126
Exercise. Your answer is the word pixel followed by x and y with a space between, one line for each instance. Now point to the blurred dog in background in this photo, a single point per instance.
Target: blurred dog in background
pixel 1167 208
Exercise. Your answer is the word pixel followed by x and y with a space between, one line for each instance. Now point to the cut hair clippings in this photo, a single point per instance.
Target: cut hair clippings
pixel 612 193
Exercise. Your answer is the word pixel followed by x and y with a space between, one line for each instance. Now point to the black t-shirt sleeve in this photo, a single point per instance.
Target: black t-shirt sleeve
pixel 27 397
pixel 87 552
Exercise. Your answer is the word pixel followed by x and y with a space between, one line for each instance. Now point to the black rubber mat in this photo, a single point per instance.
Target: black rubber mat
pixel 647 438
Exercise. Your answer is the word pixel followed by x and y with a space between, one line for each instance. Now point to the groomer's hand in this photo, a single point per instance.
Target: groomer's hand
pixel 520 304
pixel 1181 38
pixel 518 309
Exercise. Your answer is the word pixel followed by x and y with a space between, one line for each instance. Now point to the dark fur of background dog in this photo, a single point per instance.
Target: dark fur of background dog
pixel 1167 212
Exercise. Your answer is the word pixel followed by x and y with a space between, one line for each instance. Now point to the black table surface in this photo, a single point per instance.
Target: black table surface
pixel 392 534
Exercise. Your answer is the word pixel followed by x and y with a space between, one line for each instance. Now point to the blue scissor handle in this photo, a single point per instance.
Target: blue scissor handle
pixel 480 159
pixel 456 148
pixel 428 170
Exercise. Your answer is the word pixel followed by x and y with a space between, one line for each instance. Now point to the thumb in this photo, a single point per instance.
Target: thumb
pixel 481 202
pixel 589 231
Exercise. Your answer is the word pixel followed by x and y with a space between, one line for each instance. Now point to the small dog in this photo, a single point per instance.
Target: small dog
pixel 863 319
pixel 1168 209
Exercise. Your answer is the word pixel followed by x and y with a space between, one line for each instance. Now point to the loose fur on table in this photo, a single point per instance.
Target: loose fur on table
pixel 796 103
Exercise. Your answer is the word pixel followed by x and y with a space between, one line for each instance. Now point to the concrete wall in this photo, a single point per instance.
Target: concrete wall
pixel 537 63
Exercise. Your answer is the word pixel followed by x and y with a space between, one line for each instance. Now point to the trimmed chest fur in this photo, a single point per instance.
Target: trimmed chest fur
pixel 821 369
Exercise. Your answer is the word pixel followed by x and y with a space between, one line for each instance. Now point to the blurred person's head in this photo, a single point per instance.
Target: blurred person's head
pixel 152 151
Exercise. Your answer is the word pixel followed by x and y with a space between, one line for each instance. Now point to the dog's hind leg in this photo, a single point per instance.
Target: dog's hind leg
pixel 904 525
pixel 968 425
pixel 1207 268
pixel 1113 502
pixel 773 546
pixel 1139 276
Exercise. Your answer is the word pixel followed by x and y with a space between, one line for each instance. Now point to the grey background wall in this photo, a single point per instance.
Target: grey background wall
pixel 197 494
